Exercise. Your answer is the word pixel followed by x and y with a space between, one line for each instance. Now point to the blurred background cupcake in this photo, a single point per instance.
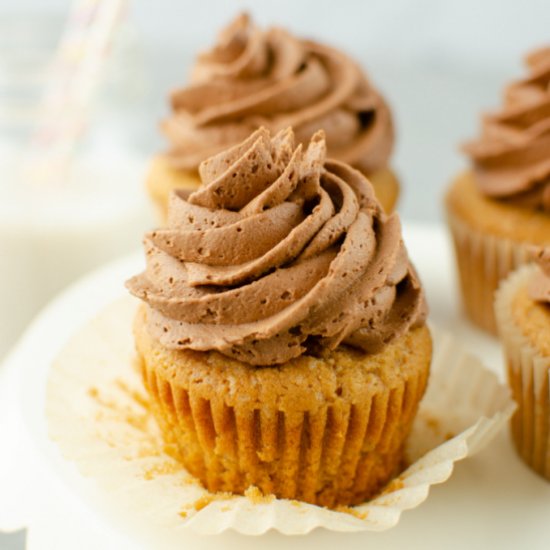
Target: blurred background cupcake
pixel 522 310
pixel 254 77
pixel 502 205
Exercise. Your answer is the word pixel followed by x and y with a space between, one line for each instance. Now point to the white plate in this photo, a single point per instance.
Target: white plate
pixel 491 501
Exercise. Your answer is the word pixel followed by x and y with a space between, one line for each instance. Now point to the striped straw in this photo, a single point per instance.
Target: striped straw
pixel 73 81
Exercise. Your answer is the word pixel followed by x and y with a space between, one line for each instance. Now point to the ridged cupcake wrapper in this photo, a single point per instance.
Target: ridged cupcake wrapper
pixel 483 260
pixel 529 377
pixel 325 455
pixel 99 415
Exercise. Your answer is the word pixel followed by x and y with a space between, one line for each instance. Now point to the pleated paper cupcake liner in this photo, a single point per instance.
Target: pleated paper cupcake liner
pixel 329 453
pixel 528 376
pixel 100 416
pixel 483 260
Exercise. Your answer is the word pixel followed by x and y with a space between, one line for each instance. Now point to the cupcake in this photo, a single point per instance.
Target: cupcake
pixel 270 78
pixel 502 205
pixel 282 337
pixel 522 309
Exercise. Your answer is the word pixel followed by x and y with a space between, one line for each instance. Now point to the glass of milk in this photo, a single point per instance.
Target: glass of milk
pixel 50 236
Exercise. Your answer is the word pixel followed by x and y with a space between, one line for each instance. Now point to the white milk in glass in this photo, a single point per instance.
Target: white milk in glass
pixel 50 237
pixel 52 234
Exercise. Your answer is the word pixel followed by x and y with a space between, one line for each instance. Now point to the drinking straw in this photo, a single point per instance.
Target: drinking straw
pixel 75 74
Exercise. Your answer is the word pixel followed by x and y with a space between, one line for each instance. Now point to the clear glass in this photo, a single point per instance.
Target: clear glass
pixel 50 236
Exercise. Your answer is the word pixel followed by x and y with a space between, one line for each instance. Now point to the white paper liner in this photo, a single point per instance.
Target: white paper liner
pixel 483 260
pixel 529 378
pixel 97 413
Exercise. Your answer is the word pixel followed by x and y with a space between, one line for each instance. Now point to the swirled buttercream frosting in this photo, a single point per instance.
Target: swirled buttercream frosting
pixel 254 77
pixel 539 289
pixel 511 159
pixel 280 251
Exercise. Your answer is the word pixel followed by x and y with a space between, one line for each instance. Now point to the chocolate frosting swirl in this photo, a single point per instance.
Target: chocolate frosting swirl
pixel 511 160
pixel 269 78
pixel 539 288
pixel 278 252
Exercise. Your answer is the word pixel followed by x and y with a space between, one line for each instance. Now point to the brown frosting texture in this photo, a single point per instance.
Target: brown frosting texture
pixel 255 77
pixel 539 288
pixel 511 159
pixel 278 252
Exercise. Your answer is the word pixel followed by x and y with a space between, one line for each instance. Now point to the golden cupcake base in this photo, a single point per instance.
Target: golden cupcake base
pixel 163 179
pixel 524 328
pixel 386 188
pixel 491 239
pixel 328 430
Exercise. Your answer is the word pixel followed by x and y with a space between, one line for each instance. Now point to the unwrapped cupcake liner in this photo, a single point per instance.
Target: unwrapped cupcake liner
pixel 99 414
pixel 528 376
pixel 483 260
